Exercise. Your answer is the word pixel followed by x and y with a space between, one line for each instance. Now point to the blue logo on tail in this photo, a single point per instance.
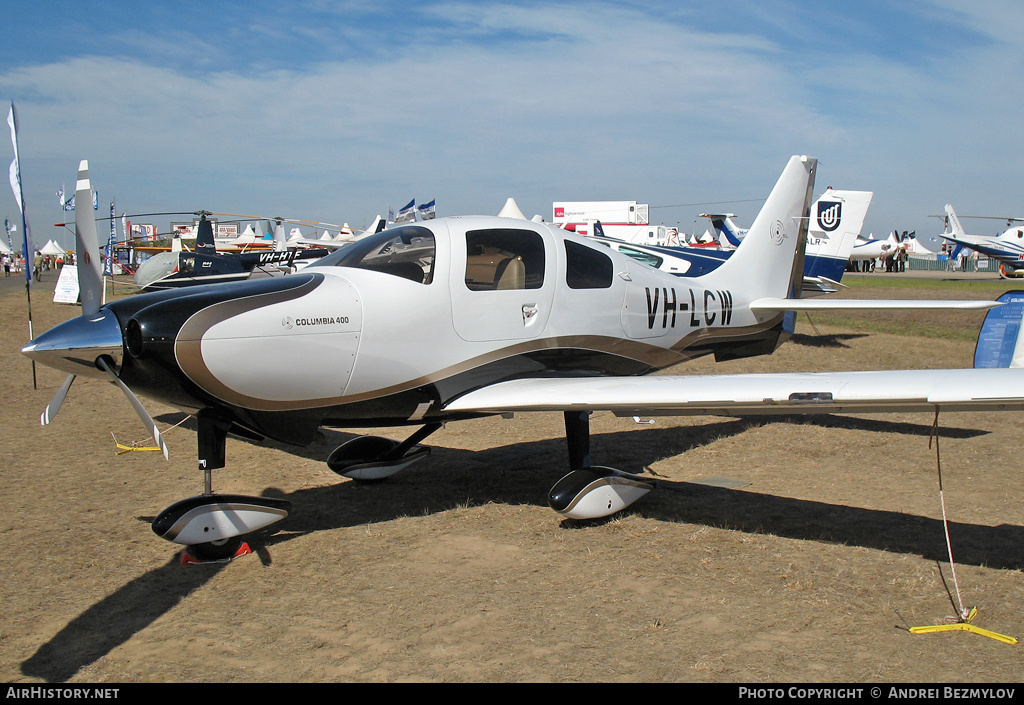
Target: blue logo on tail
pixel 829 215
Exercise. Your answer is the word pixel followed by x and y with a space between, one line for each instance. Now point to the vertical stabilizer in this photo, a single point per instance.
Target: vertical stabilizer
pixel 205 244
pixel 954 222
pixel 770 260
pixel 280 241
pixel 837 218
pixel 723 223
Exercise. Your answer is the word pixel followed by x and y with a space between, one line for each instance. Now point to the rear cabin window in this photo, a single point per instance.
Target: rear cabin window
pixel 406 252
pixel 586 268
pixel 645 257
pixel 504 259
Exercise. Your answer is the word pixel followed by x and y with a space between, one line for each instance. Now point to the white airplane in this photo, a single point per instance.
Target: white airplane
pixel 868 249
pixel 730 234
pixel 460 317
pixel 1007 248
pixel 345 236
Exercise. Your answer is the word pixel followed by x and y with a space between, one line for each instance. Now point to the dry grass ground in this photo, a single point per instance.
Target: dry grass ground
pixel 457 571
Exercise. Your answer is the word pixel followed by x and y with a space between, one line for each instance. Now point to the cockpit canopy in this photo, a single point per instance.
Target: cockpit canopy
pixel 406 252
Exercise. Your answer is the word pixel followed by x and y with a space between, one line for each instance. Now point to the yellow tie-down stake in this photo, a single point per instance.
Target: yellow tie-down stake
pixel 122 448
pixel 964 625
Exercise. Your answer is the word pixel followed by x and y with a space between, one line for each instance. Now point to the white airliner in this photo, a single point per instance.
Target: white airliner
pixel 459 317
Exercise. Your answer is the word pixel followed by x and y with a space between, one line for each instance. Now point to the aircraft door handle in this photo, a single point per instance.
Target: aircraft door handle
pixel 530 313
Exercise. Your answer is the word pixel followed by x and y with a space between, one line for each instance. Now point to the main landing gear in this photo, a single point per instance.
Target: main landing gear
pixel 372 458
pixel 587 492
pixel 210 525
pixel 592 492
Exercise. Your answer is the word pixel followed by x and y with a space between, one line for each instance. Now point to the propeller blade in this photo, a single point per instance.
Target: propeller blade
pixel 87 245
pixel 147 420
pixel 54 406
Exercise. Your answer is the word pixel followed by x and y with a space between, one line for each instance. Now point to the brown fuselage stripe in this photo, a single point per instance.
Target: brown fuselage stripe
pixel 188 352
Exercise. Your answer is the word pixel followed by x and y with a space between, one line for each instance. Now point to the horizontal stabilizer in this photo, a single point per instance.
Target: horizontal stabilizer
pixel 776 305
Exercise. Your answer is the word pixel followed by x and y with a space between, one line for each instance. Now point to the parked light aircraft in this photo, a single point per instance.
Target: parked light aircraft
pixel 180 268
pixel 1007 248
pixel 461 317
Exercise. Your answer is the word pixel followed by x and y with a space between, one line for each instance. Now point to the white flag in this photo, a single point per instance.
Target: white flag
pixel 15 166
pixel 26 250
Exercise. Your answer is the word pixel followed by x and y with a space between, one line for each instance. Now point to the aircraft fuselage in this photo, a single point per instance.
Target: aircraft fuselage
pixel 390 329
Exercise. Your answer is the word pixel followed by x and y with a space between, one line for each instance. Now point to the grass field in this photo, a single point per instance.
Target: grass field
pixel 947 325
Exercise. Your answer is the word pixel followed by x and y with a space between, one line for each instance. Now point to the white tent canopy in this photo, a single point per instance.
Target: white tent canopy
pixel 4 249
pixel 511 210
pixel 51 248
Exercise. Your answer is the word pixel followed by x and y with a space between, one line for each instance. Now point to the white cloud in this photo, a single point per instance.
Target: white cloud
pixel 542 103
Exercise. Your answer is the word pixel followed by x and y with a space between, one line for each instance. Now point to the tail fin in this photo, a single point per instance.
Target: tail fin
pixel 1001 340
pixel 954 222
pixel 205 243
pixel 836 221
pixel 280 241
pixel 722 222
pixel 770 260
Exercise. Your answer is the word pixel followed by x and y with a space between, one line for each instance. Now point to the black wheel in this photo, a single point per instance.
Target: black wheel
pixel 215 550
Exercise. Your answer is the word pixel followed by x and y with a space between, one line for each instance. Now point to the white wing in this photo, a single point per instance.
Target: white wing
pixel 755 394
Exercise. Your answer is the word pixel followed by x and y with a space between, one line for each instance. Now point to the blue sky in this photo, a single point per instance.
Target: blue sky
pixel 333 111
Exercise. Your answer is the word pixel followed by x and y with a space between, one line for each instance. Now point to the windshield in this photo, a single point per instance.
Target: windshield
pixel 406 252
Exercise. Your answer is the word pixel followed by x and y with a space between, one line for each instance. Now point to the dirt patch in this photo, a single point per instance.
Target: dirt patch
pixel 457 571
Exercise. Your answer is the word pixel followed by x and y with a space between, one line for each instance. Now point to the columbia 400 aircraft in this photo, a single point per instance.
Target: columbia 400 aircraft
pixel 503 316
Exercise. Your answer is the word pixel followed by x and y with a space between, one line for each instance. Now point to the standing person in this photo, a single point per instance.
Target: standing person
pixel 7 265
pixel 37 267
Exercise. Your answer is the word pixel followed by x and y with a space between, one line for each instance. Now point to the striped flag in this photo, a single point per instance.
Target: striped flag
pixel 407 213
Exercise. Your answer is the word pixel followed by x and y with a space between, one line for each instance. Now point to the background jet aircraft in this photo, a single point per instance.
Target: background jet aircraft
pixel 453 318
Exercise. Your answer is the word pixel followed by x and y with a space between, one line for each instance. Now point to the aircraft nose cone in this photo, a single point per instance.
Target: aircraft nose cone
pixel 73 346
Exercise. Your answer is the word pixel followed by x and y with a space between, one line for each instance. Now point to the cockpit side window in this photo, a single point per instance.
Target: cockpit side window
pixel 586 268
pixel 406 252
pixel 645 257
pixel 504 258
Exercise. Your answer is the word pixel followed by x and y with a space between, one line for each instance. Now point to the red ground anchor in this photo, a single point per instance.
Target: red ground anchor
pixel 187 559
